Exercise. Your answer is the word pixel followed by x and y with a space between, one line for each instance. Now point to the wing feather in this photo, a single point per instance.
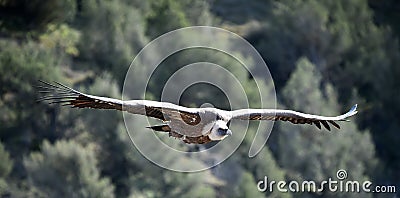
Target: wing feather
pixel 58 93
pixel 292 116
pixel 317 124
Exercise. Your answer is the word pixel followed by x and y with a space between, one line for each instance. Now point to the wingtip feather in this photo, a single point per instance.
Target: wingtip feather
pixel 352 111
pixel 354 108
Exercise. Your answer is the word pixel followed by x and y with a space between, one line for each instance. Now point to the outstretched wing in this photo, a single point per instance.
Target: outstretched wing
pixel 59 93
pixel 66 96
pixel 292 116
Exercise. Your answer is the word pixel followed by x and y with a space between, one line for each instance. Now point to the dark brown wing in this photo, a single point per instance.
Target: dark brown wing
pixel 292 116
pixel 164 110
pixel 66 96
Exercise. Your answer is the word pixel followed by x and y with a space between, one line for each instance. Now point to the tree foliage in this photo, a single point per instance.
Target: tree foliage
pixel 324 56
pixel 304 92
pixel 66 168
pixel 6 165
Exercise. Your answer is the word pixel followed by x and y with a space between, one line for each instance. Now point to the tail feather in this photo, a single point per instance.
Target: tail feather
pixel 162 128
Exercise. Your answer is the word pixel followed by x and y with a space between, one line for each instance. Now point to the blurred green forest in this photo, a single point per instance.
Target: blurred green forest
pixel 324 56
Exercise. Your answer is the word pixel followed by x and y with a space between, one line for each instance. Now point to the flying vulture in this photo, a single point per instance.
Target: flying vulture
pixel 192 125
